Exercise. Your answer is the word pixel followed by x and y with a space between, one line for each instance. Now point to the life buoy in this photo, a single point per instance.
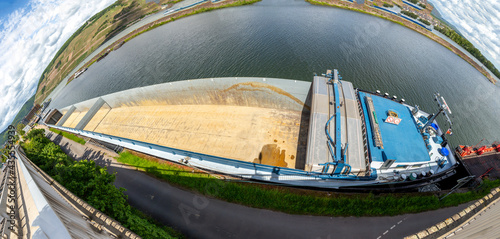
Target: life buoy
pixel 392 113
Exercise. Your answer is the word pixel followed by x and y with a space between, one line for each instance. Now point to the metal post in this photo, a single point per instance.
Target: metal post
pixel 429 122
pixel 460 183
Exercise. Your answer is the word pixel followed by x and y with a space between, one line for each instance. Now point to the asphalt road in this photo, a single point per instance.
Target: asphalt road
pixel 200 217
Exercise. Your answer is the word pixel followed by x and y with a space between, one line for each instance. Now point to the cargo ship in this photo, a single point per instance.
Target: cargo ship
pixel 80 72
pixel 320 134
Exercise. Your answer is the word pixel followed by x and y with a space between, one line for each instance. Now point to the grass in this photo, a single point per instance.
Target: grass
pixel 442 41
pixel 297 201
pixel 69 136
pixel 92 33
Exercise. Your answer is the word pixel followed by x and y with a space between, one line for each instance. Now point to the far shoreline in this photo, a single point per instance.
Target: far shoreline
pixel 209 6
pixel 401 21
pixel 203 7
pixel 200 8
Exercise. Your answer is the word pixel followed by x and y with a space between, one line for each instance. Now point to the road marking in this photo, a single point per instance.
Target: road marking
pixel 393 226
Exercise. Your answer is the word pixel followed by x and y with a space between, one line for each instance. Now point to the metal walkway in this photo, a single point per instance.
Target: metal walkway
pixel 325 97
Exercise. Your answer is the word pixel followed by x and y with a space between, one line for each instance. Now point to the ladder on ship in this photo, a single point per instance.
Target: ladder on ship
pixel 377 137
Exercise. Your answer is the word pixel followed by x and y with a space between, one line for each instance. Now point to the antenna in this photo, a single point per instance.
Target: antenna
pixel 442 107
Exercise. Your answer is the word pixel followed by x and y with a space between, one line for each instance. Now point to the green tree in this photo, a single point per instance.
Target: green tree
pixel 20 128
pixel 91 183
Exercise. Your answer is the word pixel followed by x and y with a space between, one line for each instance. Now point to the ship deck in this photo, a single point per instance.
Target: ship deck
pixel 266 129
pixel 402 142
pixel 350 126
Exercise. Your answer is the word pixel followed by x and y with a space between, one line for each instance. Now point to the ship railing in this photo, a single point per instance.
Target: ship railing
pixel 173 155
pixel 308 177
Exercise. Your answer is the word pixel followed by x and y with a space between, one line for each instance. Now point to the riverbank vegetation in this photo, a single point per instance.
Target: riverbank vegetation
pixel 410 14
pixel 463 42
pixel 368 9
pixel 92 184
pixel 424 21
pixel 200 10
pixel 95 31
pixel 387 5
pixel 69 136
pixel 105 25
pixel 297 201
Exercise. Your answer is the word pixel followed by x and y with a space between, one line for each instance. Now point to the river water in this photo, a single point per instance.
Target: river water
pixel 292 40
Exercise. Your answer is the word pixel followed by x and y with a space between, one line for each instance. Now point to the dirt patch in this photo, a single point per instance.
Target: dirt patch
pixel 260 86
pixel 271 154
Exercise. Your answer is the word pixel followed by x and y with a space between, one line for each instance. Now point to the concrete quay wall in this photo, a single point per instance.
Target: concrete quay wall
pixel 235 91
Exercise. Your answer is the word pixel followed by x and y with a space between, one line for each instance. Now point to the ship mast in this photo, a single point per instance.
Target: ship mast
pixel 442 107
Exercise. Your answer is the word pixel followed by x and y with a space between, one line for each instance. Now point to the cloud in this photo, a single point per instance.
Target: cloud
pixel 478 21
pixel 29 39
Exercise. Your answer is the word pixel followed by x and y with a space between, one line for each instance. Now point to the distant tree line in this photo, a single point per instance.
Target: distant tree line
pixel 410 14
pixel 460 40
pixel 91 183
pixel 424 21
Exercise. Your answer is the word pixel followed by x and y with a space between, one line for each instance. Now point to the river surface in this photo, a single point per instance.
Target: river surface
pixel 292 40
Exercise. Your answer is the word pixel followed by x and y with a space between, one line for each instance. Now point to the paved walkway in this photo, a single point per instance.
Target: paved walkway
pixel 482 225
pixel 199 217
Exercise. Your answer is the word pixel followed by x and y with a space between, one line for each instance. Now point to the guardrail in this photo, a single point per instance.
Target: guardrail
pixel 91 214
pixel 176 155
pixel 3 199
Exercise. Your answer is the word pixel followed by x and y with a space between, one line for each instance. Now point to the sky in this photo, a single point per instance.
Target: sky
pixel 478 21
pixel 31 32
